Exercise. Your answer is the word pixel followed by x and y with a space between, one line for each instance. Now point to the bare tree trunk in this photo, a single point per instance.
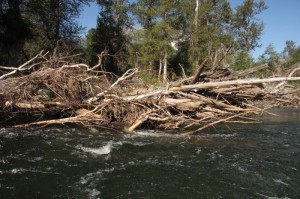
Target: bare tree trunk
pixel 195 40
pixel 160 69
pixel 196 13
pixel 165 73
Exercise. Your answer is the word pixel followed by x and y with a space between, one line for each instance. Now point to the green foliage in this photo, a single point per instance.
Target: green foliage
pixel 150 78
pixel 90 45
pixel 246 26
pixel 56 21
pixel 209 29
pixel 291 54
pixel 28 26
pixel 167 33
pixel 270 56
pixel 110 36
pixel 242 61
pixel 159 31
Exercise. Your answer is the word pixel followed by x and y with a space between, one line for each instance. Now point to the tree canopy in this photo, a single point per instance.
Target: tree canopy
pixel 28 26
pixel 164 36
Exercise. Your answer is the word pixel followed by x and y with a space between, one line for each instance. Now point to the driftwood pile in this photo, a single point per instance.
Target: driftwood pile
pixel 65 93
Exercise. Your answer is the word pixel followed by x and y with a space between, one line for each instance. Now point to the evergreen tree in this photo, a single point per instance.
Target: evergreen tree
pixel 13 31
pixel 27 26
pixel 53 21
pixel 159 20
pixel 110 35
pixel 291 53
pixel 242 61
pixel 289 48
pixel 209 29
pixel 270 55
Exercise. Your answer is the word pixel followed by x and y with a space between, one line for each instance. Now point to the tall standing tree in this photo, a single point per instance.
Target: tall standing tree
pixel 54 20
pixel 291 53
pixel 246 26
pixel 13 31
pixel 289 48
pixel 158 20
pixel 208 29
pixel 110 35
pixel 27 26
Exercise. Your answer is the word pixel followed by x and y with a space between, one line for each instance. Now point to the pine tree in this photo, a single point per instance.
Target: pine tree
pixel 110 35
pixel 207 29
pixel 54 20
pixel 158 20
pixel 28 26
pixel 13 32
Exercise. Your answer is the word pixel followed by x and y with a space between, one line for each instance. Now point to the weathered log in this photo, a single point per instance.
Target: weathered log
pixel 295 68
pixel 88 114
pixel 184 104
pixel 210 85
pixel 250 71
pixel 25 105
pixel 136 124
pixel 198 72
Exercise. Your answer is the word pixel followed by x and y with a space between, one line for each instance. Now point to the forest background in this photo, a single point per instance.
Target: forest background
pixel 166 38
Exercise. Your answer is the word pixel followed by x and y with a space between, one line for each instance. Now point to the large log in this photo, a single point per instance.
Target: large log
pixel 184 104
pixel 210 85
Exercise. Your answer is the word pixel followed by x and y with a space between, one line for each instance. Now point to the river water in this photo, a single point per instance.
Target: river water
pixel 238 161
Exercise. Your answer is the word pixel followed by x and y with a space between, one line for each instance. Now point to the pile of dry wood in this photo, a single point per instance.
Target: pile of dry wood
pixel 77 93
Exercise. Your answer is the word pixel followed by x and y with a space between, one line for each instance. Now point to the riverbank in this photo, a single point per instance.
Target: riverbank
pixel 87 96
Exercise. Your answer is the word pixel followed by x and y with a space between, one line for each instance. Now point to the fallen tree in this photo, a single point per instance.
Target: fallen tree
pixel 83 95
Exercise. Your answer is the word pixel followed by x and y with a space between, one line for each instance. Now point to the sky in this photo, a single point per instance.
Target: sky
pixel 281 20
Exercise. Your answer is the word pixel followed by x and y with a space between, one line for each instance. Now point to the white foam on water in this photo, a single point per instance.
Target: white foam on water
pixel 198 151
pixel 94 193
pixel 22 170
pixel 99 151
pixel 15 171
pixel 90 181
pixel 280 182
pixel 295 169
pixel 268 197
pixel 104 150
pixel 134 143
pixel 3 130
pixel 152 133
pixel 10 135
pixel 219 135
pixel 149 133
pixel 278 198
pixel 93 130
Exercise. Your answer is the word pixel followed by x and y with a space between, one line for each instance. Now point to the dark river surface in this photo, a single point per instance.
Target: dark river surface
pixel 239 161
